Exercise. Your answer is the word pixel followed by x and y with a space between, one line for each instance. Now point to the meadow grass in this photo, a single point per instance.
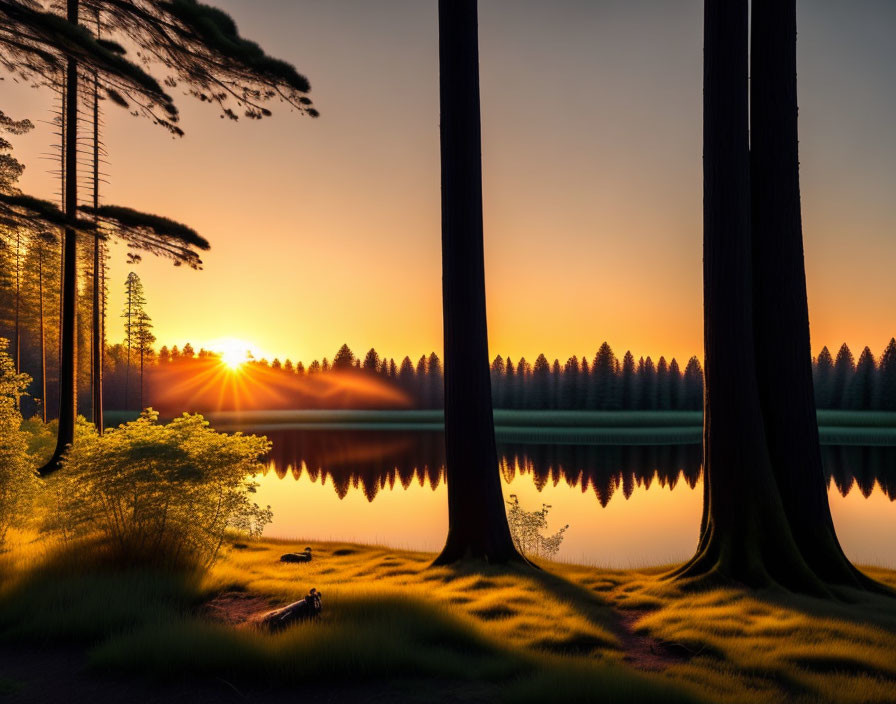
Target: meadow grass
pixel 563 633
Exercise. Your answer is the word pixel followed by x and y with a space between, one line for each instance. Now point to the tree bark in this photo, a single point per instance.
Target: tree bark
pixel 780 305
pixel 746 536
pixel 66 433
pixel 477 521
pixel 96 329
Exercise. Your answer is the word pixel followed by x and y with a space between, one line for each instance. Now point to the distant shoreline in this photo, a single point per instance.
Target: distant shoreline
pixel 836 427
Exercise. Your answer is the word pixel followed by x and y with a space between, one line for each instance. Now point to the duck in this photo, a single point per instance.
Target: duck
pixel 304 556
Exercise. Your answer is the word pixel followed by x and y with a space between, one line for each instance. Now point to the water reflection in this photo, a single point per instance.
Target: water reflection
pixel 627 506
pixel 372 461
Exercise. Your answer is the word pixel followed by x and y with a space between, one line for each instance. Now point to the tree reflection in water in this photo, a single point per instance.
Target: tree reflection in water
pixel 376 460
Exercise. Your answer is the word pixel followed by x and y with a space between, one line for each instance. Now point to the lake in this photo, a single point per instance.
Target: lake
pixel 626 506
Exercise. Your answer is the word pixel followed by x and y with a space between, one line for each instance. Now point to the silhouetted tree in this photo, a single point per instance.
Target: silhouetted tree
pixel 541 384
pixel 371 362
pixel 663 386
pixel 477 522
pixel 435 381
pixel 497 373
pixel 780 304
pixel 647 385
pixel 886 390
pixel 135 301
pixel 745 535
pixel 603 374
pixel 862 388
pixel 344 359
pixel 628 382
pixel 693 385
pixel 844 368
pixel 675 386
pixel 824 379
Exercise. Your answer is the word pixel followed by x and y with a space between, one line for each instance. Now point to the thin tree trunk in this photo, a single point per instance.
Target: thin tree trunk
pixel 127 367
pixel 96 333
pixel 43 345
pixel 746 536
pixel 66 433
pixel 477 521
pixel 780 306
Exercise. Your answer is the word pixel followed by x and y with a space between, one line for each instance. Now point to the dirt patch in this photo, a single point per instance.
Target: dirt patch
pixel 642 650
pixel 237 608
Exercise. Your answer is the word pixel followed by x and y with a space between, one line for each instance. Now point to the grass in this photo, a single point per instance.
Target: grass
pixel 566 634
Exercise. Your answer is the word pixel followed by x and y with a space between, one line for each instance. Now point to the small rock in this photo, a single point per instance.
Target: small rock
pixel 302 610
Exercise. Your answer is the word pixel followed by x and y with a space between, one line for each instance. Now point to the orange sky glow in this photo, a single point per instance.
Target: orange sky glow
pixel 328 231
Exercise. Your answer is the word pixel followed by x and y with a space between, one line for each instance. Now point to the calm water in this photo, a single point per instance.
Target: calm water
pixel 626 506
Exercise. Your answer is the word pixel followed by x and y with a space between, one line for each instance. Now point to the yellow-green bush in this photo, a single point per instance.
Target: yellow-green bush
pixel 17 482
pixel 164 493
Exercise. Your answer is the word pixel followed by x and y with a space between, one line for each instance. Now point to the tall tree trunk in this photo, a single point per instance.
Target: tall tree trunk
pixel 127 368
pixel 746 536
pixel 18 320
pixel 780 306
pixel 66 433
pixel 477 521
pixel 43 342
pixel 96 328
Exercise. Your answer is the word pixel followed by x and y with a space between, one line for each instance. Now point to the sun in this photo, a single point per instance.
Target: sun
pixel 234 353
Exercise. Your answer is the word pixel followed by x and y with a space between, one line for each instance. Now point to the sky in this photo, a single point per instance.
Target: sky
pixel 328 231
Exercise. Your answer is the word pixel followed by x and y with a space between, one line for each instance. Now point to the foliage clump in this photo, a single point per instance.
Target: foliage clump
pixel 17 480
pixel 160 493
pixel 526 530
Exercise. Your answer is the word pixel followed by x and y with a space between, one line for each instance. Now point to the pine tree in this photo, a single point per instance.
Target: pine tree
pixel 861 392
pixel 541 384
pixel 675 386
pixel 344 359
pixel 647 382
pixel 693 385
pixel 145 339
pixel 371 362
pixel 135 301
pixel 844 369
pixel 629 389
pixel 663 386
pixel 824 379
pixel 435 382
pixel 886 388
pixel 497 373
pixel 570 382
pixel 604 380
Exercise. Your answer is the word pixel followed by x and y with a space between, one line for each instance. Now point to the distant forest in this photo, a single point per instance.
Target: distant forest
pixel 602 383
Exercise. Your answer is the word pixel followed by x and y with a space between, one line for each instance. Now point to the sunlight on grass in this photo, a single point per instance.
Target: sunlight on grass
pixel 556 634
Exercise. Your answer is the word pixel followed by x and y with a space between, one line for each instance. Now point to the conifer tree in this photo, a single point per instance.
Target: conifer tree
pixel 371 362
pixel 135 302
pixel 861 392
pixel 435 381
pixel 629 390
pixel 604 379
pixel 824 379
pixel 540 394
pixel 344 359
pixel 844 369
pixel 675 386
pixel 496 374
pixel 663 386
pixel 886 388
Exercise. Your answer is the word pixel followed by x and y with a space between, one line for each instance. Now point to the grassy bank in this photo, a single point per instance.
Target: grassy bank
pixel 561 427
pixel 390 623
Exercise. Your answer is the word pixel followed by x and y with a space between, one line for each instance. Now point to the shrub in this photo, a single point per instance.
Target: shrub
pixel 164 494
pixel 17 480
pixel 526 527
